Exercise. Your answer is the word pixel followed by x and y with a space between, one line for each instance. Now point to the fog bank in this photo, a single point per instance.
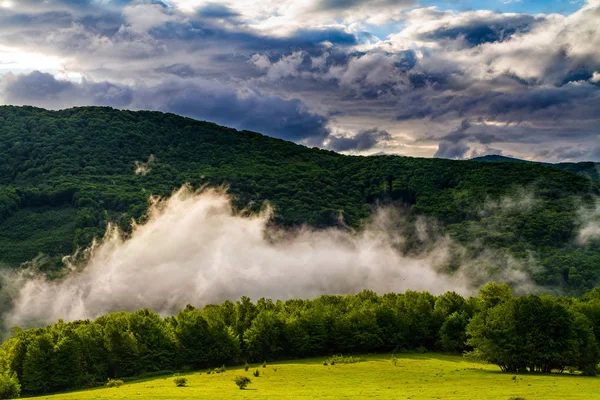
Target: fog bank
pixel 195 249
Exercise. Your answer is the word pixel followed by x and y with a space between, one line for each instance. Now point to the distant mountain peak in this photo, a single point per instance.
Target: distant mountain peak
pixel 500 158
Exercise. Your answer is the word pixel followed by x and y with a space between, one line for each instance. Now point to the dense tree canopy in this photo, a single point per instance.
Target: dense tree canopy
pixel 535 333
pixel 65 174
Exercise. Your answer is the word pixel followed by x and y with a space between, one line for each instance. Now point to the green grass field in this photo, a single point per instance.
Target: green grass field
pixel 415 376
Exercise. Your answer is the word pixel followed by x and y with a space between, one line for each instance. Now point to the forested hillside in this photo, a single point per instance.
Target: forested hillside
pixel 588 168
pixel 65 174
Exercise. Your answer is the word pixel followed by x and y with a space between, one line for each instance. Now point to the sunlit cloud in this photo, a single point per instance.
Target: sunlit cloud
pixel 18 60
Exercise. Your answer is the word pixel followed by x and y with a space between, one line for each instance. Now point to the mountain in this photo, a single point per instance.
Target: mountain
pixel 588 168
pixel 500 158
pixel 65 174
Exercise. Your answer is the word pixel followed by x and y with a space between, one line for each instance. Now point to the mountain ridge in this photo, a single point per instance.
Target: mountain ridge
pixel 586 168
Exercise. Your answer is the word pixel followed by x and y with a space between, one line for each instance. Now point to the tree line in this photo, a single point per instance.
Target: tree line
pixel 536 333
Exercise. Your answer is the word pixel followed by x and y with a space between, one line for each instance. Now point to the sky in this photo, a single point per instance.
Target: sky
pixel 431 78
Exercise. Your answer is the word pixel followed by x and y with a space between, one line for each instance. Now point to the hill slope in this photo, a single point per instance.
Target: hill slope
pixel 588 168
pixel 65 174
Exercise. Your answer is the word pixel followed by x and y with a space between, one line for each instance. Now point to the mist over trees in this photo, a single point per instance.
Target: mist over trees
pixel 531 333
pixel 66 174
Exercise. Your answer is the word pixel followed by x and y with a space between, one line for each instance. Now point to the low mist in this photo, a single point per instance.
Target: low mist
pixel 590 226
pixel 196 249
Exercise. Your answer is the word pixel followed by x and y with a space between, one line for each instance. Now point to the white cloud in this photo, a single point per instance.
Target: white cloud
pixel 142 17
pixel 19 60
pixel 281 17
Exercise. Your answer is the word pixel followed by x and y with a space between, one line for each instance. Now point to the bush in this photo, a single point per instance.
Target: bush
pixel 265 364
pixel 246 367
pixel 180 381
pixel 9 387
pixel 242 381
pixel 256 373
pixel 343 360
pixel 219 370
pixel 114 382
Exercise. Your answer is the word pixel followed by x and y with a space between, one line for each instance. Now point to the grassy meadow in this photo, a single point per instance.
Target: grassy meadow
pixel 415 376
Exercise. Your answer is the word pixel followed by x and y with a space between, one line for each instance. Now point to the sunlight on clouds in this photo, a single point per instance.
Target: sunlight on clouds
pixel 6 4
pixel 16 60
pixel 282 17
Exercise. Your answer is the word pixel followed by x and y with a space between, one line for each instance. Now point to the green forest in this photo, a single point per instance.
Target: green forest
pixel 65 174
pixel 519 334
pixel 587 168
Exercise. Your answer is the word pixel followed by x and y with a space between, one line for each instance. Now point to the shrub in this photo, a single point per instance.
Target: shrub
pixel 242 381
pixel 9 387
pixel 114 382
pixel 325 363
pixel 343 360
pixel 265 364
pixel 256 373
pixel 246 367
pixel 395 361
pixel 180 381
pixel 219 370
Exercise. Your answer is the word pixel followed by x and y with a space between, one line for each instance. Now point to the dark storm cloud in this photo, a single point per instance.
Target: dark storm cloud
pixel 198 34
pixel 349 4
pixel 76 25
pixel 364 140
pixel 216 10
pixel 453 145
pixel 572 153
pixel 35 86
pixel 451 150
pixel 477 31
pixel 358 74
pixel 83 4
pixel 45 90
pixel 272 115
pixel 576 100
